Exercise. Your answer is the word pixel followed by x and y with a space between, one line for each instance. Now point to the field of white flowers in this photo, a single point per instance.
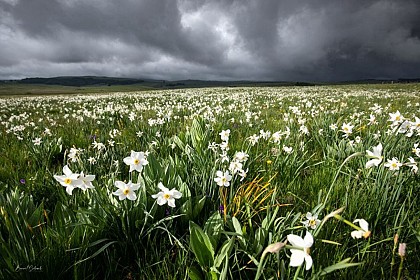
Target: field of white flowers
pixel 219 183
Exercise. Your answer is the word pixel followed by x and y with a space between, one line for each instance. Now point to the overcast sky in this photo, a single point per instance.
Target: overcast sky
pixel 306 40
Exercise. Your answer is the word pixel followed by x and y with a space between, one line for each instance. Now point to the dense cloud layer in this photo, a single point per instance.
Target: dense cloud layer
pixel 214 39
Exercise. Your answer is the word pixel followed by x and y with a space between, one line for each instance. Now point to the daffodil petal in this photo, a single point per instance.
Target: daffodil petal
pixel 364 225
pixel 297 258
pixel 308 260
pixel 357 234
pixel 296 240
pixel 161 200
pixel 308 239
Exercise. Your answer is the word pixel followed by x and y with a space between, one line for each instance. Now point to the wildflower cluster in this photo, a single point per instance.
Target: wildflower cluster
pixel 234 166
pixel 394 164
pixel 72 180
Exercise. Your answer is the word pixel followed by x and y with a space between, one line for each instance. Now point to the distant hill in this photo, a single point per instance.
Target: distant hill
pixel 81 81
pixel 96 81
pixel 86 81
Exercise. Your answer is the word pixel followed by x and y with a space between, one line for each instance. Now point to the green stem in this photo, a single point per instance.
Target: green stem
pixel 393 254
pixel 400 269
pixel 338 217
pixel 297 273
pixel 338 172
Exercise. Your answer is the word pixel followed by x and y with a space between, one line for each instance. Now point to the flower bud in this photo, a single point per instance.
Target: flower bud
pixel 401 249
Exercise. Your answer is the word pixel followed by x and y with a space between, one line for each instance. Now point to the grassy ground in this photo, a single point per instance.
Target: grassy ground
pixel 254 168
pixel 7 90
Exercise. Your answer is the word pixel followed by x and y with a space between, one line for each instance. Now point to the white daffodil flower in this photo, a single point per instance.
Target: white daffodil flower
pixel 363 232
pixel 223 179
pixel 375 156
pixel 224 135
pixel 301 255
pixel 413 164
pixel 396 117
pixel 166 196
pixel 136 161
pixel 86 181
pixel 235 166
pixel 312 220
pixel 126 190
pixel 393 164
pixel 69 180
pixel 240 156
pixel 347 128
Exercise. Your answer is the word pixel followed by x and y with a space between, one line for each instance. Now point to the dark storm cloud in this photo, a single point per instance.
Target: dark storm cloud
pixel 188 39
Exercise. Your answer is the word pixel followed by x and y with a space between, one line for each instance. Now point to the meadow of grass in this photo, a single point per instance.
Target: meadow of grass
pixel 20 89
pixel 219 183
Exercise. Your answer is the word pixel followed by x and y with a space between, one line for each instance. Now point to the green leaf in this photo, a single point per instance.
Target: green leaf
pixel 340 265
pixel 183 188
pixel 201 246
pixel 213 227
pixel 212 275
pixel 197 134
pixel 224 252
pixel 37 216
pixel 179 142
pixel 238 230
pixel 194 273
pixel 260 237
pixel 198 207
pixel 186 209
pixel 96 253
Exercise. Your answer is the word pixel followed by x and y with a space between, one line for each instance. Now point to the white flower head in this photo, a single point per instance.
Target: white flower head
pixel 91 160
pixel 363 231
pixel 224 135
pixel 224 146
pixel 347 128
pixel 74 154
pixel 287 150
pixel 166 195
pixel 223 179
pixel 301 255
pixel 136 161
pixel 253 139
pixel 242 173
pixel 241 156
pixel 393 164
pixel 86 181
pixel 276 137
pixel 396 117
pixel 312 220
pixel 375 156
pixel 235 166
pixel 126 190
pixel 37 141
pixel 413 164
pixel 69 180
pixel 416 150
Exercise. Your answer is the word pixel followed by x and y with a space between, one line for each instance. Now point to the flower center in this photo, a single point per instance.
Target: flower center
pixel 136 161
pixel 366 234
pixel 67 181
pixel 312 222
pixel 394 165
pixel 126 191
pixel 307 250
pixel 166 196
